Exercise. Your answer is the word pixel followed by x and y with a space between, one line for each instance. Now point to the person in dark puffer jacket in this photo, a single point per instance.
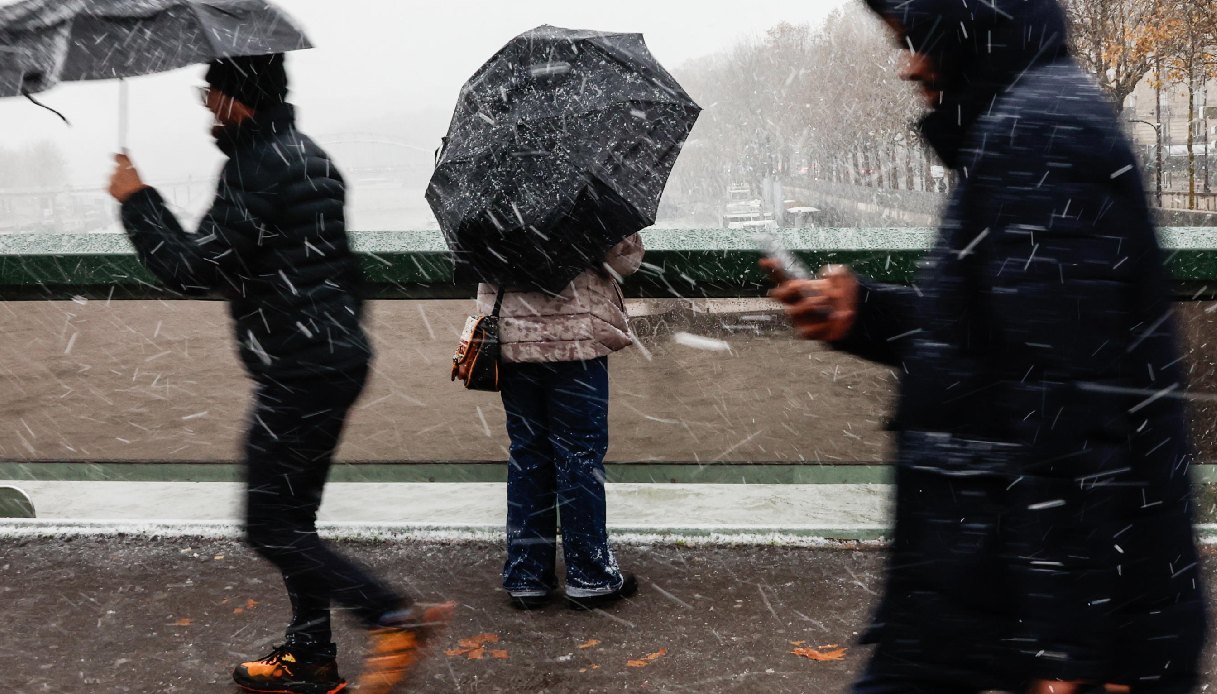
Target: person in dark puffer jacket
pixel 1043 534
pixel 274 244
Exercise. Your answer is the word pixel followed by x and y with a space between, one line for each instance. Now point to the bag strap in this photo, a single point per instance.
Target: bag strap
pixel 498 302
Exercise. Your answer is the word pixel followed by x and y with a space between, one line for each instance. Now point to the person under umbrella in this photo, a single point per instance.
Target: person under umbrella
pixel 1043 535
pixel 558 153
pixel 275 245
pixel 554 382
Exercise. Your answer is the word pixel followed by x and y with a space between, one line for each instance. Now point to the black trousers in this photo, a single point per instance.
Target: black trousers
pixel 294 430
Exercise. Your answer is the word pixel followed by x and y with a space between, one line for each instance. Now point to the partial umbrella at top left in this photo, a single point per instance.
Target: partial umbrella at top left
pixel 46 42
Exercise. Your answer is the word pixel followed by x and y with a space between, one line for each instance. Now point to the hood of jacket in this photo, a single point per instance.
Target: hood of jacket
pixel 980 48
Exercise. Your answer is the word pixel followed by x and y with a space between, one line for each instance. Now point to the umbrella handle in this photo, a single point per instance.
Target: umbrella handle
pixel 124 99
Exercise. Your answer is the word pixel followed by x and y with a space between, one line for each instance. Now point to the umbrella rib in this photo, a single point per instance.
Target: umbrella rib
pixel 205 28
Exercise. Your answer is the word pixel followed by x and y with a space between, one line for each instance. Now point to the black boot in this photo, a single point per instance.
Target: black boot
pixel 629 587
pixel 289 668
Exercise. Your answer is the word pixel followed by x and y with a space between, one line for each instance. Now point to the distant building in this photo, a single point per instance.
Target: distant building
pixel 1140 111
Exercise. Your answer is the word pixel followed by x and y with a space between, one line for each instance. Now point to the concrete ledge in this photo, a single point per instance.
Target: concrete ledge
pixel 785 536
pixel 838 511
pixel 814 536
pixel 748 514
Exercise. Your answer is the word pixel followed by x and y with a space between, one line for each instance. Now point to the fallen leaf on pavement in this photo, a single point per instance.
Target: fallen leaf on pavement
pixel 474 648
pixel 830 652
pixel 589 644
pixel 184 622
pixel 478 641
pixel 249 605
pixel 647 659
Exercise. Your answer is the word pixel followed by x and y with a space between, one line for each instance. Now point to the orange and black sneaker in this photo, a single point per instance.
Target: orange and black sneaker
pixel 289 670
pixel 396 649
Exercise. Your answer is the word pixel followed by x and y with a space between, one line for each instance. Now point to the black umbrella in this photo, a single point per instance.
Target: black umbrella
pixel 45 42
pixel 560 147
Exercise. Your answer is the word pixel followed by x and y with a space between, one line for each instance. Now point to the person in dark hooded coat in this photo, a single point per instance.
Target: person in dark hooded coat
pixel 1043 534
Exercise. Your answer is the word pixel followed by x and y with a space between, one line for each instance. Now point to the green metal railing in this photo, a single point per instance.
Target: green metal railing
pixel 416 264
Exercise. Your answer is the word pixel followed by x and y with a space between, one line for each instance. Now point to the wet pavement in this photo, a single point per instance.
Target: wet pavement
pixel 174 614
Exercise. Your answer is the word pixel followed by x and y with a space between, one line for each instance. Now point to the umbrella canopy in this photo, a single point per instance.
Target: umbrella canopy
pixel 560 147
pixel 45 42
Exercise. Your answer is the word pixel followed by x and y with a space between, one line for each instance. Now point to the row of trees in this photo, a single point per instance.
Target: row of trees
pixel 826 104
pixel 799 103
pixel 1172 43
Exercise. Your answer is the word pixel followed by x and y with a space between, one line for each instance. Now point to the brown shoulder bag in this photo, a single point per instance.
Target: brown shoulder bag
pixel 479 352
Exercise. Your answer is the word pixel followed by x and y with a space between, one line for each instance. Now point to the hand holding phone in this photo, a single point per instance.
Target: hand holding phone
pixel 788 265
pixel 820 307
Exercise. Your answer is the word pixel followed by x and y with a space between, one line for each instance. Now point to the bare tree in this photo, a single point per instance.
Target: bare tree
pixel 865 113
pixel 1115 41
pixel 755 124
pixel 1184 34
pixel 799 103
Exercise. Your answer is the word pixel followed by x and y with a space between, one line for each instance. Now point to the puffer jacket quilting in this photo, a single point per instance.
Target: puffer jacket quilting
pixel 274 244
pixel 586 321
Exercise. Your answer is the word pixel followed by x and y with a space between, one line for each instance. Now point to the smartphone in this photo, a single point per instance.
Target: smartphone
pixel 790 265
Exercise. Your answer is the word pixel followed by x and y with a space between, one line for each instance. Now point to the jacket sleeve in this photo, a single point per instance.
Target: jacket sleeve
pixel 625 258
pixel 884 322
pixel 1066 255
pixel 212 259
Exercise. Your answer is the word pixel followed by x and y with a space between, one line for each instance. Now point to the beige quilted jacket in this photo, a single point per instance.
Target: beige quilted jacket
pixel 586 321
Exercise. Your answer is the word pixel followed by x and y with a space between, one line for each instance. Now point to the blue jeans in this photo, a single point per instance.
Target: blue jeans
pixel 557 420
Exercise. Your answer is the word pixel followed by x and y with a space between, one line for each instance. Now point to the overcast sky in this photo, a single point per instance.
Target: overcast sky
pixel 376 60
